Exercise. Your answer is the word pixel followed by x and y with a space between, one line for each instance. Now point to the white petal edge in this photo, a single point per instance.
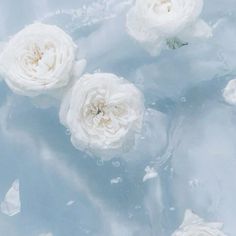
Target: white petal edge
pixel 191 218
pixel 79 68
pixel 229 93
pixel 199 30
pixel 12 204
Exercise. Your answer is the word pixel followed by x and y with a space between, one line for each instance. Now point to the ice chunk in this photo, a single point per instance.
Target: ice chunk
pixel 116 180
pixel 150 173
pixel 11 204
pixel 70 203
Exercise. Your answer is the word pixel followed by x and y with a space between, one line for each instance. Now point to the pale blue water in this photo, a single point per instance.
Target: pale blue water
pixel 189 137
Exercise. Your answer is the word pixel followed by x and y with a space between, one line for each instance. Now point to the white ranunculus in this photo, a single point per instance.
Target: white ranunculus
pixel 229 92
pixel 37 60
pixel 103 113
pixel 193 225
pixel 153 22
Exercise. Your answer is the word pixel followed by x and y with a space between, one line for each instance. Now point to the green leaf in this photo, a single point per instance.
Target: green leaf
pixel 175 43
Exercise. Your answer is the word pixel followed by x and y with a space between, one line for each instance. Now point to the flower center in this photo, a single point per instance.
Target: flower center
pixel 102 114
pixel 40 59
pixel 162 6
pixel 36 55
pixel 98 113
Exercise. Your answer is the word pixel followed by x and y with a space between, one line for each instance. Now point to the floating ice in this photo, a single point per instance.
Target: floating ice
pixel 70 203
pixel 116 180
pixel 11 204
pixel 150 173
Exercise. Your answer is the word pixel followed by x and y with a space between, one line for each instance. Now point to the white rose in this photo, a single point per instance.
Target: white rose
pixel 102 112
pixel 153 22
pixel 193 225
pixel 229 92
pixel 37 60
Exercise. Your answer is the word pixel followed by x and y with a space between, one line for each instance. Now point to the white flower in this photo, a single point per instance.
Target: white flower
pixel 193 225
pixel 152 22
pixel 37 60
pixel 102 112
pixel 229 92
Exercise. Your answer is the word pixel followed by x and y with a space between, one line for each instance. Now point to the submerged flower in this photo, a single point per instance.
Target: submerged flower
pixel 39 59
pixel 102 112
pixel 153 22
pixel 229 92
pixel 193 225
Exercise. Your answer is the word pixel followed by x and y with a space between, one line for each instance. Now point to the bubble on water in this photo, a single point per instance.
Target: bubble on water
pixel 193 183
pixel 137 207
pixel 116 164
pixel 97 70
pixel 70 203
pixel 130 215
pixel 171 172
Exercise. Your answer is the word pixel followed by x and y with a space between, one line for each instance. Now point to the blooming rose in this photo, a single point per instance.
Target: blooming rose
pixel 39 59
pixel 229 92
pixel 193 225
pixel 102 112
pixel 153 22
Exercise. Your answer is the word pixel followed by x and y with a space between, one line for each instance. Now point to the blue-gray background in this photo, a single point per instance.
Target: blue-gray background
pixel 189 126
